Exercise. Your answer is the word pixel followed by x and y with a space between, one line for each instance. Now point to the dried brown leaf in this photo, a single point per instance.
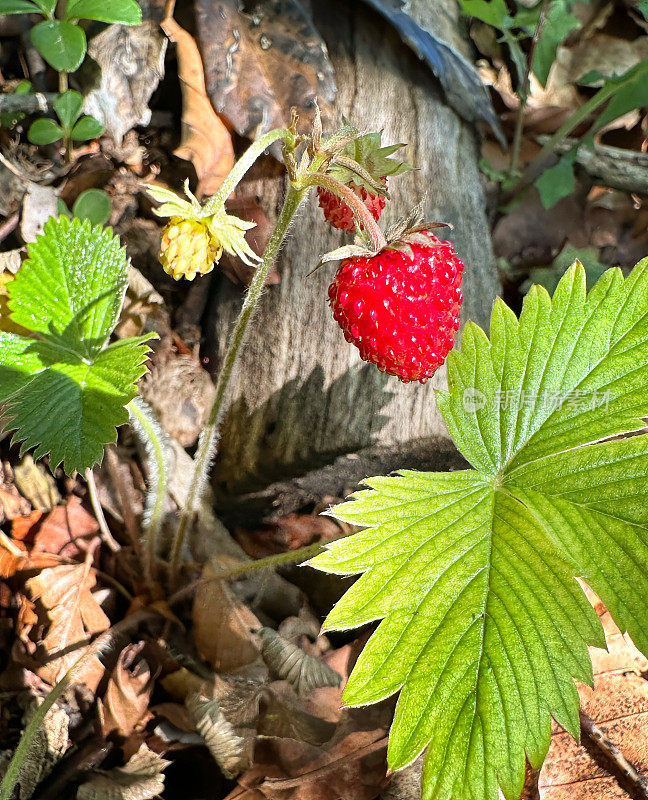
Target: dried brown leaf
pixel 260 66
pixel 12 504
pixel 180 391
pixel 351 767
pixel 36 483
pixel 205 141
pixel 232 753
pixel 131 65
pixel 67 531
pixel 128 693
pixel 50 743
pixel 142 302
pixel 74 614
pixel 141 779
pixel 223 624
pixel 286 661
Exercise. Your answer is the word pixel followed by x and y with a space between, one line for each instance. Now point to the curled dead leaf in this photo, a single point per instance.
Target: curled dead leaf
pixel 36 484
pixel 232 753
pixel 205 141
pixel 128 693
pixel 141 778
pixel 286 661
pixel 222 623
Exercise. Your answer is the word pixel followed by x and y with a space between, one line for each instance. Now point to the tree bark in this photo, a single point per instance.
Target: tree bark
pixel 301 397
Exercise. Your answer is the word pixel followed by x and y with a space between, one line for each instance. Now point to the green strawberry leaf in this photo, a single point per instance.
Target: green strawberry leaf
pixel 65 389
pixel 94 205
pixel 471 575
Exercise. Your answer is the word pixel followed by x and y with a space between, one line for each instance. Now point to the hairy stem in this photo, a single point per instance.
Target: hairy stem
pixel 244 163
pixel 209 434
pixel 524 91
pixel 100 645
pixel 364 217
pixel 149 432
pixel 104 530
pixel 254 565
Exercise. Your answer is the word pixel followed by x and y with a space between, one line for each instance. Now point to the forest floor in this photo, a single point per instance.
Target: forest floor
pixel 226 688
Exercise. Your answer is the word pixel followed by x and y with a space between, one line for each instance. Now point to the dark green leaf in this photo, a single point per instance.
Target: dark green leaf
pixel 492 12
pixel 44 131
pixel 559 23
pixel 124 12
pixel 642 7
pixel 93 205
pixel 557 181
pixel 47 6
pixel 632 93
pixel 61 44
pixel 17 7
pixel 68 107
pixel 87 128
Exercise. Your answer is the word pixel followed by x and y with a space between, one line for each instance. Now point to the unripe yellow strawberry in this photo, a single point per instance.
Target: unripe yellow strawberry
pixel 188 248
pixel 195 237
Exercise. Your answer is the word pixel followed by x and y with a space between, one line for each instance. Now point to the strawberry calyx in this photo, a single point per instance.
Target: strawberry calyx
pixel 360 159
pixel 401 236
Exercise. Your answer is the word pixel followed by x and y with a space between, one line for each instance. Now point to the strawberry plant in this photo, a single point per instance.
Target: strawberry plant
pixel 471 576
pixel 66 388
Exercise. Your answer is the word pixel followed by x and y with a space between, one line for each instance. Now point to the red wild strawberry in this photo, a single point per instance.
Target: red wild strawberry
pixel 363 165
pixel 338 213
pixel 400 306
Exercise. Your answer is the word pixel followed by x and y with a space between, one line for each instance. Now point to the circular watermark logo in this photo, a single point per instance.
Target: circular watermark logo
pixel 473 399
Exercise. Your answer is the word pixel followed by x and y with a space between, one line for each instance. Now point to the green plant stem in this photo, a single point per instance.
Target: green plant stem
pixel 270 562
pixel 244 163
pixel 364 218
pixel 63 82
pixel 100 645
pixel 525 91
pixel 209 434
pixel 149 431
pixel 604 94
pixel 104 530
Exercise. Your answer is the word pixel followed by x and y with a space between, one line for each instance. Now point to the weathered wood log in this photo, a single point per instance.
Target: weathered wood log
pixel 301 397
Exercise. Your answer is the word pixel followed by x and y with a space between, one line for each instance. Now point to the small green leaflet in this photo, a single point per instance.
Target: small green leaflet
pixel 558 24
pixel 472 574
pixel 65 387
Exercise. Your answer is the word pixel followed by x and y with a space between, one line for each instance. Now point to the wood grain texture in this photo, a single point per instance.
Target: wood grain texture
pixel 301 396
